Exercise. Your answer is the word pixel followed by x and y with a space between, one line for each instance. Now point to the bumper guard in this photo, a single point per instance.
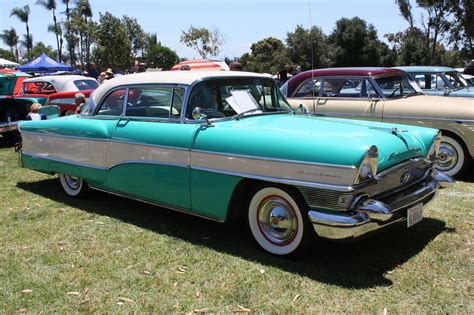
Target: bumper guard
pixel 370 214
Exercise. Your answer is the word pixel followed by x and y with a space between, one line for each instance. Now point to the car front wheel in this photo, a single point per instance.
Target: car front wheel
pixel 277 223
pixel 452 158
pixel 73 186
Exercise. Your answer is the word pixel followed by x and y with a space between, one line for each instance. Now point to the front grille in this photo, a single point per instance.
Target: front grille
pixel 388 182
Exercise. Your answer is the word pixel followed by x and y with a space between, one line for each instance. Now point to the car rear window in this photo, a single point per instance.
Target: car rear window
pixel 86 84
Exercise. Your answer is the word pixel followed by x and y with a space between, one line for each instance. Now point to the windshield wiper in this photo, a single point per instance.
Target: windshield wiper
pixel 237 116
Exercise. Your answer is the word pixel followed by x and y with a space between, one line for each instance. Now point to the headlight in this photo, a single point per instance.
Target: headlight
pixel 434 149
pixel 368 168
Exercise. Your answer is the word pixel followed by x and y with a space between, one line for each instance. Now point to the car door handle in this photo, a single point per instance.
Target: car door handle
pixel 322 101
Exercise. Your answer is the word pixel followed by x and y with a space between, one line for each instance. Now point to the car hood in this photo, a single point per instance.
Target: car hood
pixel 315 140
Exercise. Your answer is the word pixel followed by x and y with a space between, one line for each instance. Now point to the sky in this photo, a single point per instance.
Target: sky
pixel 241 22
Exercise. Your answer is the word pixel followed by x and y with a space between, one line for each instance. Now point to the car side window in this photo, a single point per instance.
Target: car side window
pixel 348 88
pixel 309 89
pixel 112 105
pixel 154 102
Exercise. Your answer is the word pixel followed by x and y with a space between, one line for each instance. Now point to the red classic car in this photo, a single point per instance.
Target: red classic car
pixel 66 101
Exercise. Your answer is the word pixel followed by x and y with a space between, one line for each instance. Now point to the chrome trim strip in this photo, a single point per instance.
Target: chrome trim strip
pixel 160 205
pixel 456 120
pixel 198 151
pixel 104 140
pixel 54 159
pixel 332 114
pixel 275 159
pixel 148 162
pixel 278 180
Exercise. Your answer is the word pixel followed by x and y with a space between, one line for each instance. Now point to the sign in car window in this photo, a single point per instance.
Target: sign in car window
pixel 242 101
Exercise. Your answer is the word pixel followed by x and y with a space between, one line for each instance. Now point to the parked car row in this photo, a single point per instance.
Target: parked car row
pixel 228 145
pixel 18 90
pixel 392 96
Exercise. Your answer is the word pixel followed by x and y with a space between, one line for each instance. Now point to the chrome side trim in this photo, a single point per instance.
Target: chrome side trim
pixel 275 159
pixel 55 159
pixel 154 162
pixel 456 120
pixel 332 114
pixel 160 205
pixel 278 180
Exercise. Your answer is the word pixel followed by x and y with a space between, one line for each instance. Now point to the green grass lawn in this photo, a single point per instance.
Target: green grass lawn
pixel 110 254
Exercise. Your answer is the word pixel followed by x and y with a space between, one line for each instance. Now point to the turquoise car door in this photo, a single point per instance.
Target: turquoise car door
pixel 149 152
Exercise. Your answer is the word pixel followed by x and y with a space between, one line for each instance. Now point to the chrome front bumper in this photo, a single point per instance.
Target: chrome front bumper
pixel 370 214
pixel 9 126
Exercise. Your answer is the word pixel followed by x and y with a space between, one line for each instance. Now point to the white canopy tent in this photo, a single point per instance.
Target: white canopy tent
pixel 7 63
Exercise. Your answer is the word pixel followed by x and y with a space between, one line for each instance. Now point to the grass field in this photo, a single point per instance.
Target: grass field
pixel 113 255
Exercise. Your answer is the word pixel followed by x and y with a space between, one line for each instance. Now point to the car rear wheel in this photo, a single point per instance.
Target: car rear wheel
pixel 73 186
pixel 452 157
pixel 277 223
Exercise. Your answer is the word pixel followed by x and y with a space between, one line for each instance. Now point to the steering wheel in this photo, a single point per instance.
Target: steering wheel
pixel 395 91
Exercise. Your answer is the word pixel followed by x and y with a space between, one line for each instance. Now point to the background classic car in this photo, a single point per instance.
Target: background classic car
pixel 389 95
pixel 222 145
pixel 441 81
pixel 12 106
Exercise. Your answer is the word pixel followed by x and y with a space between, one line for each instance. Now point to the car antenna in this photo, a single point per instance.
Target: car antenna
pixel 311 45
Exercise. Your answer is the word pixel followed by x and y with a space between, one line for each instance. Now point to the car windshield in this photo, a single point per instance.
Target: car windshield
pixel 456 80
pixel 86 84
pixel 227 98
pixel 398 86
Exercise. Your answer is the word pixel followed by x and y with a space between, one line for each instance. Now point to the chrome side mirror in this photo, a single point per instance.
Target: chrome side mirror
pixel 302 110
pixel 198 115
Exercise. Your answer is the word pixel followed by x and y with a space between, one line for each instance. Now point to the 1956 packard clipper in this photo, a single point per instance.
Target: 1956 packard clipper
pixel 225 145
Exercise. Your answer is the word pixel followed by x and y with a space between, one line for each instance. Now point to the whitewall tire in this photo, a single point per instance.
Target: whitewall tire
pixel 452 159
pixel 73 186
pixel 277 223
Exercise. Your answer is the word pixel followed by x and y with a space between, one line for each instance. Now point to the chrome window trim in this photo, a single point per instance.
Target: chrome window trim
pixel 184 119
pixel 114 89
pixel 299 86
pixel 368 78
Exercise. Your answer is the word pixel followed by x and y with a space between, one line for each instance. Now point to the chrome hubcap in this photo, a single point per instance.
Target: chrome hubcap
pixel 73 182
pixel 447 157
pixel 277 220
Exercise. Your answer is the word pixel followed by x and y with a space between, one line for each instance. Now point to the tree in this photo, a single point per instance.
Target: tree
pixel 71 39
pixel 23 14
pixel 205 42
pixel 462 31
pixel 6 54
pixel 82 13
pixel 113 46
pixel 355 43
pixel 159 56
pixel 268 55
pixel 436 21
pixel 308 48
pixel 10 38
pixel 410 47
pixel 40 48
pixel 135 34
pixel 50 5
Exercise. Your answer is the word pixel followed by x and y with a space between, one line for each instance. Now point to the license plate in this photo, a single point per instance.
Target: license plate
pixel 414 214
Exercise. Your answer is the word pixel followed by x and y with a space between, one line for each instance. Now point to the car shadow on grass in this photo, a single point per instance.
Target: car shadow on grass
pixel 362 264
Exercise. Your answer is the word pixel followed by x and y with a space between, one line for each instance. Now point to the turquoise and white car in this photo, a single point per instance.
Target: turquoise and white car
pixel 225 145
pixel 440 81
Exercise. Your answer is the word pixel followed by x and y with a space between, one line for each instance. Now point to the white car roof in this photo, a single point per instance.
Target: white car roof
pixel 62 83
pixel 168 77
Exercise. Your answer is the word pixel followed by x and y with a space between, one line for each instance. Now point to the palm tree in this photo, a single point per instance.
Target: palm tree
pixel 23 14
pixel 70 38
pixel 50 5
pixel 10 38
pixel 84 10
